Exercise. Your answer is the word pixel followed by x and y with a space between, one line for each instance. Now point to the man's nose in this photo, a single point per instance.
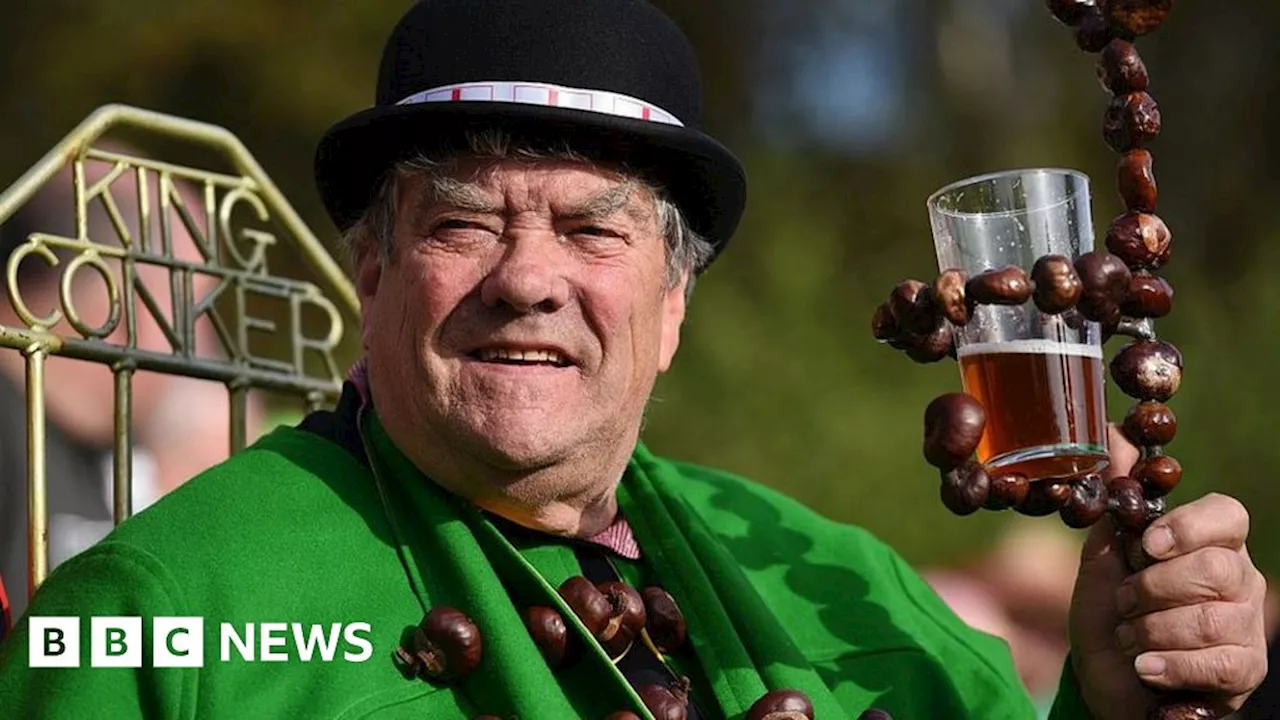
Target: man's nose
pixel 529 277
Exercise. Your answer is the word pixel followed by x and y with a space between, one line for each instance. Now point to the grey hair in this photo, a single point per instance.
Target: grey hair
pixel 687 252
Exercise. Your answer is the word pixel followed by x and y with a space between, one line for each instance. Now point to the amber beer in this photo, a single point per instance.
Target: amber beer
pixel 1045 402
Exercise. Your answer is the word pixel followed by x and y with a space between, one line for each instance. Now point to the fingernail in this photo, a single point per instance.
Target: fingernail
pixel 1149 666
pixel 1125 637
pixel 1126 599
pixel 1159 541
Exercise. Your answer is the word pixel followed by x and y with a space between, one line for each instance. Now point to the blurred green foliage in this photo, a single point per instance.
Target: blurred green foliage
pixel 778 377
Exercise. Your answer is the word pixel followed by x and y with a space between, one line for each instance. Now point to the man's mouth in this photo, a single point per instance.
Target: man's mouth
pixel 508 356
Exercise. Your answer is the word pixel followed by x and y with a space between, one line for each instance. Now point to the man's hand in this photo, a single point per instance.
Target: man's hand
pixel 1192 621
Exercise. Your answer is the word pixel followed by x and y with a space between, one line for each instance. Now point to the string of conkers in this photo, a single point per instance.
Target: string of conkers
pixel 1118 288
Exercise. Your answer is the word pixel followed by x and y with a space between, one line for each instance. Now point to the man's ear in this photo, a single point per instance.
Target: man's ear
pixel 368 279
pixel 673 310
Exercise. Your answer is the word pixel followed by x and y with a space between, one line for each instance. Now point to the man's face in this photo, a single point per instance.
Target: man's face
pixel 523 318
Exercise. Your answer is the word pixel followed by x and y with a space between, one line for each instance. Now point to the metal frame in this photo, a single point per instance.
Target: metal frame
pixel 237 260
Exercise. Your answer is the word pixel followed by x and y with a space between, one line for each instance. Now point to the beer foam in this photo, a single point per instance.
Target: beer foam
pixel 1031 347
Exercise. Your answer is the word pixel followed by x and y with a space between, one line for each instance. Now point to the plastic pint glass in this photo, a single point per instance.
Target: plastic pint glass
pixel 1040 377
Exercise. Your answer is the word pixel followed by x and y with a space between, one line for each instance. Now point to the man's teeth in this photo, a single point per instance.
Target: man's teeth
pixel 545 356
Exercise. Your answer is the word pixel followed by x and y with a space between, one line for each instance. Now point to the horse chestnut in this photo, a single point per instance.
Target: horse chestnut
pixel 1128 505
pixel 1005 286
pixel 1148 370
pixel 1150 296
pixel 1044 497
pixel 666 703
pixel 627 619
pixel 953 426
pixel 883 326
pixel 622 715
pixel 588 603
pixel 1132 120
pixel 1137 181
pixel 1057 284
pixel 549 632
pixel 1141 240
pixel 1086 504
pixel 965 489
pixel 1150 424
pixel 1159 475
pixel 446 646
pixel 1070 12
pixel 1137 17
pixel 949 297
pixel 875 714
pixel 912 308
pixel 1105 280
pixel 664 621
pixel 930 348
pixel 1120 68
pixel 782 705
pixel 1007 490
pixel 1093 32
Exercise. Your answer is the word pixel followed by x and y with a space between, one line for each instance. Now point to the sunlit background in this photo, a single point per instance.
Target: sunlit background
pixel 847 115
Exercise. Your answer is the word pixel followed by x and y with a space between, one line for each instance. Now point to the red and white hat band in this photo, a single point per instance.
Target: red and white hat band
pixel 532 93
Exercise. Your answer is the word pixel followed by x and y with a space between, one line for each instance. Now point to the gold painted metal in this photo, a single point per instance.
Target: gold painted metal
pixel 232 256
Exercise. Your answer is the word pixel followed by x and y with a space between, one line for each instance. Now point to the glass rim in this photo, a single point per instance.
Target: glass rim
pixel 932 202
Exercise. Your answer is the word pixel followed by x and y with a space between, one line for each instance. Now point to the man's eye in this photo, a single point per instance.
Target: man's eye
pixel 594 230
pixel 454 224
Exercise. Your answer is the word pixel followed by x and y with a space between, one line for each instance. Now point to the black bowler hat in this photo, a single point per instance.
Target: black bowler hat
pixel 616 78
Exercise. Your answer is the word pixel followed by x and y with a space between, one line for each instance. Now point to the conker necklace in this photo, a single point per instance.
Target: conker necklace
pixel 1117 288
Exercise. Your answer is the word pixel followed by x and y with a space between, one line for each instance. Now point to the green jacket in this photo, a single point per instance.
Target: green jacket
pixel 297 530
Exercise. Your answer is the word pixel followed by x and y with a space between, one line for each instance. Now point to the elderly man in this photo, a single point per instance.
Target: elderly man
pixel 526 208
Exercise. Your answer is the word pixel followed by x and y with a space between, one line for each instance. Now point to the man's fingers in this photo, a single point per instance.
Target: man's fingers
pixel 1225 669
pixel 1213 520
pixel 1189 628
pixel 1212 574
pixel 1123 453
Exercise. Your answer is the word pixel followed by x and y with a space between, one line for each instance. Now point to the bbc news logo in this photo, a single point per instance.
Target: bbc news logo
pixel 179 642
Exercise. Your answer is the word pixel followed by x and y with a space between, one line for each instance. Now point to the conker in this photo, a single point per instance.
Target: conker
pixel 1120 68
pixel 627 619
pixel 1137 181
pixel 1086 504
pixel 1105 280
pixel 883 326
pixel 1093 32
pixel 1141 240
pixel 622 715
pixel 875 714
pixel 953 426
pixel 949 297
pixel 965 490
pixel 1159 475
pixel 549 632
pixel 1127 504
pixel 588 603
pixel 1137 17
pixel 1057 287
pixel 1005 286
pixel 1132 120
pixel 1150 424
pixel 782 705
pixel 1044 497
pixel 1150 296
pixel 1148 370
pixel 911 307
pixel 933 347
pixel 1070 12
pixel 666 703
pixel 1007 490
pixel 446 646
pixel 664 620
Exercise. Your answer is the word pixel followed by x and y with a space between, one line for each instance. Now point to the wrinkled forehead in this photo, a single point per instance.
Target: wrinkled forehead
pixel 508 185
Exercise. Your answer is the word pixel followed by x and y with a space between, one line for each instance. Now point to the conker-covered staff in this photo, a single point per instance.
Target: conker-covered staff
pixel 1117 288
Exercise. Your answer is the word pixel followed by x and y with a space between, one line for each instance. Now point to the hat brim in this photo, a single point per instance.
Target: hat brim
pixel 703 177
